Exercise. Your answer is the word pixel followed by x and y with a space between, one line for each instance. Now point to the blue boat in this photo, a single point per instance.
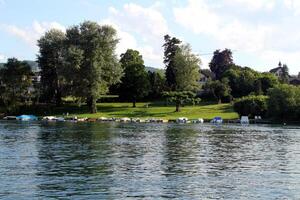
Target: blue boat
pixel 217 120
pixel 27 118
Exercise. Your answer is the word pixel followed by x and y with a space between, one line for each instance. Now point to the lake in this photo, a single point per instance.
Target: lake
pixel 148 161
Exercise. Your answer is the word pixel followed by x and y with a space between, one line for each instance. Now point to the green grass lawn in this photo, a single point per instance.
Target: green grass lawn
pixel 119 110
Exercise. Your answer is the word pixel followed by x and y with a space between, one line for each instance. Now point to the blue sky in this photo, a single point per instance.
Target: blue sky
pixel 260 32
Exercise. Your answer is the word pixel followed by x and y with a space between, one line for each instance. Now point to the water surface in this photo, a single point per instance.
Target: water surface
pixel 148 161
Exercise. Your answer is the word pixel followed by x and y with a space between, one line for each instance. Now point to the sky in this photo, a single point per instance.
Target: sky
pixel 259 32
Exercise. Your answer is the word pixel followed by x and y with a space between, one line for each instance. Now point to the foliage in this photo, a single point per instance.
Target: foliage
pixel 15 79
pixel 135 83
pixel 219 89
pixel 284 102
pixel 221 61
pixel 157 85
pixel 171 46
pixel 92 61
pixel 251 105
pixel 50 60
pixel 284 78
pixel 180 98
pixel 244 81
pixel 186 68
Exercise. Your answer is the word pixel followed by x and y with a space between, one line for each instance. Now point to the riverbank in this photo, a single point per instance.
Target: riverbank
pixel 142 111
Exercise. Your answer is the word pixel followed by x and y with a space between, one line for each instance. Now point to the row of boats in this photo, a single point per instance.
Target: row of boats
pixel 183 120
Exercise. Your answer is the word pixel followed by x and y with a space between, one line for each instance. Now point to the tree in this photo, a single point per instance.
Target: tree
pixel 284 102
pixel 50 59
pixel 221 61
pixel 95 66
pixel 157 84
pixel 252 105
pixel 186 69
pixel 219 89
pixel 15 79
pixel 135 83
pixel 285 74
pixel 171 46
pixel 180 98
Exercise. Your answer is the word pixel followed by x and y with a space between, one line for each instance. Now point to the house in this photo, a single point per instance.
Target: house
pixel 206 75
pixel 277 71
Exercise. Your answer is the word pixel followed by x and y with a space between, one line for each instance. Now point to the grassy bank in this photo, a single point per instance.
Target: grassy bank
pixel 118 110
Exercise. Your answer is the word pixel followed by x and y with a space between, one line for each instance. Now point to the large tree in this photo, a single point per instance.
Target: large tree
pixel 221 61
pixel 15 78
pixel 171 46
pixel 186 69
pixel 91 55
pixel 50 59
pixel 135 82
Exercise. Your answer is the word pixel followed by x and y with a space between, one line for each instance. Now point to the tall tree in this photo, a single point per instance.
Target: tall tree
pixel 15 79
pixel 171 46
pixel 97 67
pixel 186 69
pixel 135 82
pixel 50 59
pixel 221 61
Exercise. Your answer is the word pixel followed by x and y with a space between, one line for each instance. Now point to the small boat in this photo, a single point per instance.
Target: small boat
pixel 125 119
pixel 217 120
pixel 27 118
pixel 60 119
pixel 49 118
pixel 10 118
pixel 182 120
pixel 244 120
pixel 198 121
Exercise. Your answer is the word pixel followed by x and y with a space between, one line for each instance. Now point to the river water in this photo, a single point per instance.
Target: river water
pixel 148 161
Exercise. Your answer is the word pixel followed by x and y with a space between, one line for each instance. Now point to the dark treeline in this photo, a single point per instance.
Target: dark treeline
pixel 81 64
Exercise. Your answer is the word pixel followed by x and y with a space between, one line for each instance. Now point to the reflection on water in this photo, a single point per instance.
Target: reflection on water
pixel 148 161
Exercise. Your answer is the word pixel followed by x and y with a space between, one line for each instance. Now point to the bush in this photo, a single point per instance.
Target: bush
pixel 251 106
pixel 284 102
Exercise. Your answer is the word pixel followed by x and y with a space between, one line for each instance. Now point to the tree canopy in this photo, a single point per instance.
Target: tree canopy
pixel 15 79
pixel 135 82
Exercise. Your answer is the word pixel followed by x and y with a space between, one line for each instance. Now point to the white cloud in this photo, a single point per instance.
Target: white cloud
pixel 198 17
pixel 293 5
pixel 269 41
pixel 2 57
pixel 253 5
pixel 31 34
pixel 140 28
pixel 201 19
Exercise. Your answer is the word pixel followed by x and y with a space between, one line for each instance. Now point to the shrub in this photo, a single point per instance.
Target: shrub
pixel 251 106
pixel 284 102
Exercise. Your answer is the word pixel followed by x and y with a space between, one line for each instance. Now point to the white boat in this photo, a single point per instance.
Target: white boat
pixel 49 118
pixel 182 120
pixel 244 120
pixel 198 121
pixel 125 119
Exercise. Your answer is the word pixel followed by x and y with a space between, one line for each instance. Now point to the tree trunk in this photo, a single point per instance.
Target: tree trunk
pixel 219 101
pixel 133 103
pixel 177 107
pixel 91 103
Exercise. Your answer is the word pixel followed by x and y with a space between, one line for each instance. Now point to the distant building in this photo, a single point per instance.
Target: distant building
pixel 278 71
pixel 206 75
